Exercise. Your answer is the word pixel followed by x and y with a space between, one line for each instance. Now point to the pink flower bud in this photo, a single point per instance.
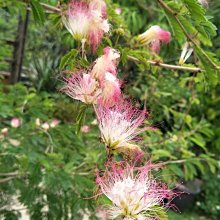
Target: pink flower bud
pixel 118 11
pixel 4 131
pixel 111 92
pixel 106 63
pixel 85 129
pixel 153 37
pixel 15 122
pixel 37 122
pixel 45 126
pixel 54 123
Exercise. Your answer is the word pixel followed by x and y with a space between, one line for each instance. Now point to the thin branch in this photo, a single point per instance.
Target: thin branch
pixel 48 8
pixel 6 179
pixel 179 161
pixel 9 174
pixel 168 66
pixel 51 8
pixel 175 15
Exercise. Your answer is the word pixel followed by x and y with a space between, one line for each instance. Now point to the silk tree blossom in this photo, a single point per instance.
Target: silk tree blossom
pixel 134 193
pixel 81 86
pixel 106 63
pixel 154 36
pixel 119 124
pixel 186 53
pixel 15 122
pixel 111 92
pixel 100 6
pixel 86 21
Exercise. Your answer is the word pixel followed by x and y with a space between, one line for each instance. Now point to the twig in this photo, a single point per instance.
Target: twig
pixel 6 179
pixel 175 15
pixel 179 161
pixel 9 174
pixel 51 8
pixel 168 66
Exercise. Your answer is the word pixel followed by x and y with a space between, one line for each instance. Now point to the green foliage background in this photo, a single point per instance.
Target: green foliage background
pixel 56 168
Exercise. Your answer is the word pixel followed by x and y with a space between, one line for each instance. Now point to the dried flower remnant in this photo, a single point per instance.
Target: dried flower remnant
pixel 37 122
pixel 134 193
pixel 81 86
pixel 101 213
pixel 119 124
pixel 204 3
pixel 4 131
pixel 15 122
pixel 86 21
pixel 153 37
pixel 186 53
pixel 106 63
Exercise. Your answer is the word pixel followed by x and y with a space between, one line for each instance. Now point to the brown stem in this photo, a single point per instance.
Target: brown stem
pixel 168 66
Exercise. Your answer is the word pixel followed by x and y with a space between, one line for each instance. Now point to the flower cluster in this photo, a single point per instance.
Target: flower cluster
pixel 100 84
pixel 86 20
pixel 134 193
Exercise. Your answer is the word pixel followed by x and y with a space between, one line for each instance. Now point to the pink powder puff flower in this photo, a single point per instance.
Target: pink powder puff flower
pixel 85 21
pixel 100 6
pixel 81 86
pixel 77 19
pixel 134 193
pixel 119 124
pixel 15 122
pixel 54 123
pixel 154 36
pixel 111 91
pixel 106 63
